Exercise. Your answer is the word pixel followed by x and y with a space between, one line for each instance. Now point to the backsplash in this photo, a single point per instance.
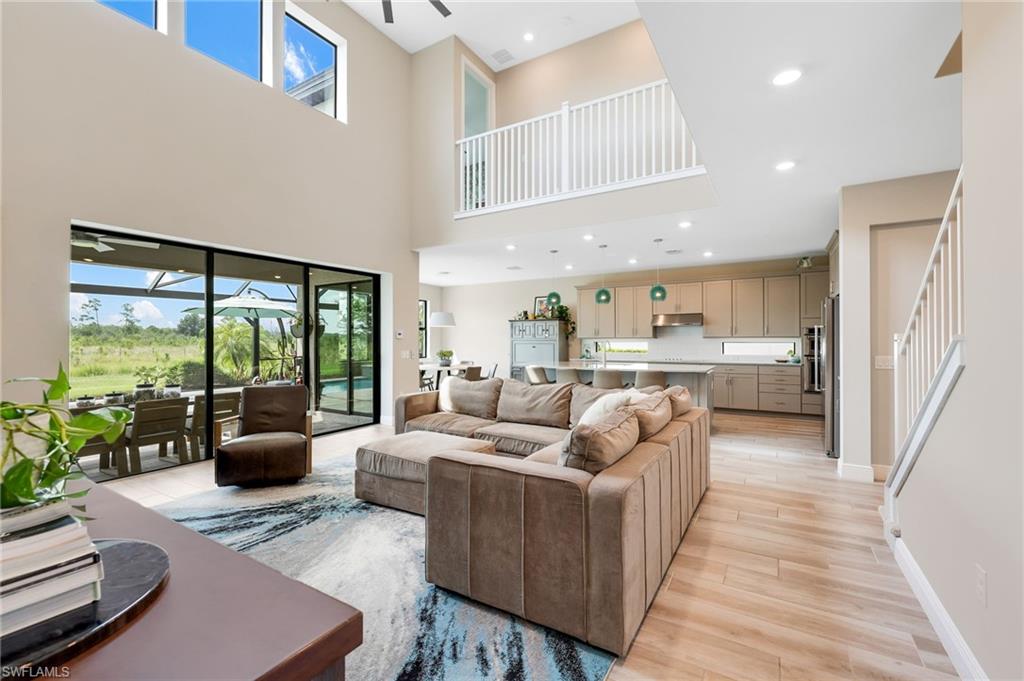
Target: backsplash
pixel 684 343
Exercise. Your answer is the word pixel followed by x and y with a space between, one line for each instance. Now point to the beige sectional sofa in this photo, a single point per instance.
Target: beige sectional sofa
pixel 581 552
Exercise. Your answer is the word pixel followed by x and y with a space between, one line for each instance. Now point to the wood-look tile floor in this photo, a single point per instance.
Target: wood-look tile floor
pixel 784 573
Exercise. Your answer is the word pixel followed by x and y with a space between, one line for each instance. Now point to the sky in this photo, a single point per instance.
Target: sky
pixel 229 31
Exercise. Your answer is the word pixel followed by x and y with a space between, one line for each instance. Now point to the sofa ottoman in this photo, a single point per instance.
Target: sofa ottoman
pixel 392 471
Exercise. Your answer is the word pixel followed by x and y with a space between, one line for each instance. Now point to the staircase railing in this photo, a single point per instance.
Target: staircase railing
pixel 929 355
pixel 626 139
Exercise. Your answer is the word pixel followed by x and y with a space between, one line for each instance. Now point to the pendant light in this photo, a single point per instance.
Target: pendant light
pixel 554 299
pixel 658 292
pixel 603 295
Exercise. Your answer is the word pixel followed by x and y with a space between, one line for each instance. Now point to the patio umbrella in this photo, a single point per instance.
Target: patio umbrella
pixel 252 309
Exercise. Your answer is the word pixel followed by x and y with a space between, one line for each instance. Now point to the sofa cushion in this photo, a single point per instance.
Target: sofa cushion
pixel 583 396
pixel 548 455
pixel 541 405
pixel 405 456
pixel 594 448
pixel 603 406
pixel 652 414
pixel 521 439
pixel 681 399
pixel 472 398
pixel 442 422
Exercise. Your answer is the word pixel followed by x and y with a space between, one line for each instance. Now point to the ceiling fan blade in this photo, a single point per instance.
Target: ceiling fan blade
pixel 439 6
pixel 129 242
pixel 389 16
pixel 102 247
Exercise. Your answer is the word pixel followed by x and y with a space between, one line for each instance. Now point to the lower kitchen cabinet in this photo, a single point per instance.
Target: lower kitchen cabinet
pixel 735 387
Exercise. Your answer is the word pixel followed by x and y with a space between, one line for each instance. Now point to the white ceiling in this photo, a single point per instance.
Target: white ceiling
pixel 867 108
pixel 487 26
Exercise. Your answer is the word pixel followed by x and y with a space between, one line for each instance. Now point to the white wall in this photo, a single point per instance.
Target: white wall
pixel 434 295
pixel 961 507
pixel 153 136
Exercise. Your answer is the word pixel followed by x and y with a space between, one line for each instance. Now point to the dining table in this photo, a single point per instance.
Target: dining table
pixel 438 369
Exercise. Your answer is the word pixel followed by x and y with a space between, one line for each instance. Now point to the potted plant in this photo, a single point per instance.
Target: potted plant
pixel 444 357
pixel 793 359
pixel 40 441
pixel 562 313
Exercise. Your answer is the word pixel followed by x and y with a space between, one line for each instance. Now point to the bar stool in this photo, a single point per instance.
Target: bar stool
pixel 607 378
pixel 472 373
pixel 567 376
pixel 537 375
pixel 646 378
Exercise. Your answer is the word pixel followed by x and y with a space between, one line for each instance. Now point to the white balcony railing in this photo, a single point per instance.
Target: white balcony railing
pixel 929 355
pixel 627 139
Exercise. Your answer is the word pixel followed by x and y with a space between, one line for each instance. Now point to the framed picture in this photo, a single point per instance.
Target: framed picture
pixel 541 309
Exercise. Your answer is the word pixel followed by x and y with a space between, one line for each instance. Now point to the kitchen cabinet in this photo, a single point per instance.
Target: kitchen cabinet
pixel 717 306
pixel 813 291
pixel 681 299
pixel 735 387
pixel 536 341
pixel 780 389
pixel 593 320
pixel 720 382
pixel 748 308
pixel 633 311
pixel 782 306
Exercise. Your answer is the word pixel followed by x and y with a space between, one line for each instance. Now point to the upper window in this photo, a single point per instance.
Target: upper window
pixel 143 11
pixel 423 328
pixel 758 348
pixel 314 63
pixel 226 30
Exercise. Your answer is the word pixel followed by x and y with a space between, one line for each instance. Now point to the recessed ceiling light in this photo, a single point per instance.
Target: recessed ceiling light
pixel 787 77
pixel 87 259
pixel 685 224
pixel 528 37
pixel 510 247
pixel 632 261
pixel 784 165
pixel 181 271
pixel 568 267
pixel 588 237
pixel 277 276
pixel 708 254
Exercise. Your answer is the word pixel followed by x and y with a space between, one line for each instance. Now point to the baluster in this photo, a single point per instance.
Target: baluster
pixel 961 307
pixel 664 166
pixel 672 118
pixel 643 133
pixel 654 135
pixel 590 144
pixel 632 136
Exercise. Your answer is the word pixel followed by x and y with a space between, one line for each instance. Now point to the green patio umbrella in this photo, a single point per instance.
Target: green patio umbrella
pixel 252 309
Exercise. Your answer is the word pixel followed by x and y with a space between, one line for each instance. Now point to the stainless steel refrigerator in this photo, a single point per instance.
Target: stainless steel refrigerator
pixel 828 350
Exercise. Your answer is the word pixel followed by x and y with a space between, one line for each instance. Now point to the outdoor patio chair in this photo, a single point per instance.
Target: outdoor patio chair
pixel 157 422
pixel 225 405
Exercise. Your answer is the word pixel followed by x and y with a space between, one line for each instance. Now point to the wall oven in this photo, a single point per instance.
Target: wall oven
pixel 813 339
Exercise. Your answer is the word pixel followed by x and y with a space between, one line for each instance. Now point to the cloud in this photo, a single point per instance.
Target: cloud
pixel 77 301
pixel 298 63
pixel 149 314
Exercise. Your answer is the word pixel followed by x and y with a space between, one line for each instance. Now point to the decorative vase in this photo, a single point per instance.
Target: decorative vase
pixel 445 362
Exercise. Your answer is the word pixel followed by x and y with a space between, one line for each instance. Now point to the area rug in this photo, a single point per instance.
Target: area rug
pixel 372 558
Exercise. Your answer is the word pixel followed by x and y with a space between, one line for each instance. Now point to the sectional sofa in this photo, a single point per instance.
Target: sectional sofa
pixel 574 532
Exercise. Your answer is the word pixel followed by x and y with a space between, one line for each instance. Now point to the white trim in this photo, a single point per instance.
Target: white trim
pixel 881 471
pixel 340 55
pixel 491 89
pixel 162 16
pixel 268 27
pixel 856 472
pixel 960 654
pixel 638 182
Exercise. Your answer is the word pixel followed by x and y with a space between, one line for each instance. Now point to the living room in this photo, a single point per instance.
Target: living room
pixel 286 267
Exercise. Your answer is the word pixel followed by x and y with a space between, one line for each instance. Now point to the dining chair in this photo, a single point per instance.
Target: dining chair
pixel 646 378
pixel 607 378
pixel 493 370
pixel 224 405
pixel 567 376
pixel 537 375
pixel 472 373
pixel 426 381
pixel 157 422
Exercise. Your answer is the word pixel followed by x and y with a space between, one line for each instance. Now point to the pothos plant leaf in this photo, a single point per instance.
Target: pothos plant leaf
pixel 18 485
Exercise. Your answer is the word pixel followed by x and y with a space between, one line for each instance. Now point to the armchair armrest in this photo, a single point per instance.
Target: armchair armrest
pixel 510 533
pixel 218 429
pixel 412 405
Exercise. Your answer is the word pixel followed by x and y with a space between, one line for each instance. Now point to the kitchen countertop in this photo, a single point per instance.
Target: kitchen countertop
pixel 687 362
pixel 590 365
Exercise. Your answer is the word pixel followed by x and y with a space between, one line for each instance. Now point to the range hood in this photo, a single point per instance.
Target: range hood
pixel 688 319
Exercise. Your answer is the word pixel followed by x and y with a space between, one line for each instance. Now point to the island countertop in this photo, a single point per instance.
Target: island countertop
pixel 668 367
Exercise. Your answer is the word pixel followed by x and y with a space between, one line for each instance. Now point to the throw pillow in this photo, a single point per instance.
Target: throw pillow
pixel 593 448
pixel 681 399
pixel 583 396
pixel 541 405
pixel 602 407
pixel 652 414
pixel 472 398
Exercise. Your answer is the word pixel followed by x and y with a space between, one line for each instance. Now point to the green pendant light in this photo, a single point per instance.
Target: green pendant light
pixel 658 292
pixel 554 299
pixel 603 296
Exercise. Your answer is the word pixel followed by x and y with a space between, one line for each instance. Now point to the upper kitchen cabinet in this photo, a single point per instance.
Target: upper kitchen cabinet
pixel 782 306
pixel 633 311
pixel 593 320
pixel 717 306
pixel 681 299
pixel 748 307
pixel 814 288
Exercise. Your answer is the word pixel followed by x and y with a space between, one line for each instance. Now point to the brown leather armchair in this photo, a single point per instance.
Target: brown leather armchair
pixel 275 439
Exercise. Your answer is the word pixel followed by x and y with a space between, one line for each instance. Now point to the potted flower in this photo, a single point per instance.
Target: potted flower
pixel 444 357
pixel 40 441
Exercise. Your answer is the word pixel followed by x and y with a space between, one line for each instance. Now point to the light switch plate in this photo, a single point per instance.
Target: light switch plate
pixel 406 354
pixel 883 362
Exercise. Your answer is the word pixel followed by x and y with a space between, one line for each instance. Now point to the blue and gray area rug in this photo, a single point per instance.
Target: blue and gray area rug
pixel 372 558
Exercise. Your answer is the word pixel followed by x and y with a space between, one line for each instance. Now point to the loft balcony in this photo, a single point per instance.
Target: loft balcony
pixel 627 139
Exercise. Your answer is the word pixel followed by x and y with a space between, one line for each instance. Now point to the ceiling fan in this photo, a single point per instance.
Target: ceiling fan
pixel 389 17
pixel 101 243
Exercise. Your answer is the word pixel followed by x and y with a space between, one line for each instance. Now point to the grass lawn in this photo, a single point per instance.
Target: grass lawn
pixel 99 369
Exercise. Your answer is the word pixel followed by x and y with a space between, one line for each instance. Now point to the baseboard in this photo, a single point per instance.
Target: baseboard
pixel 387 420
pixel 960 654
pixel 881 471
pixel 856 472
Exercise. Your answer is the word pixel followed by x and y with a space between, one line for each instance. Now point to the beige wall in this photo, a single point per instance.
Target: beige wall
pixel 899 254
pixel 152 136
pixel 905 200
pixel 609 62
pixel 961 506
pixel 482 311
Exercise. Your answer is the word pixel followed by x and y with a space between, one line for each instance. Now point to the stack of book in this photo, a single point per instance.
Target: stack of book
pixel 48 565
